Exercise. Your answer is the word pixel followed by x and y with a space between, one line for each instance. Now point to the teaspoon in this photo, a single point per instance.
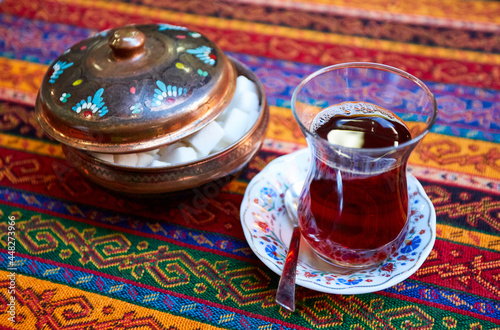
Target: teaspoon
pixel 285 295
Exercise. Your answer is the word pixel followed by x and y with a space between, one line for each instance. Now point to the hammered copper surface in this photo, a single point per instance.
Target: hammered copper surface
pixel 134 88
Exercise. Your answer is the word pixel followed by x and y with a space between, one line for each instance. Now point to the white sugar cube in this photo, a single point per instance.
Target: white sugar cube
pixel 346 138
pixel 205 139
pixel 234 126
pixel 245 84
pixel 126 159
pixel 248 101
pixel 153 152
pixel 170 148
pixel 253 116
pixel 222 117
pixel 105 157
pixel 219 146
pixel 179 155
pixel 158 163
pixel 144 159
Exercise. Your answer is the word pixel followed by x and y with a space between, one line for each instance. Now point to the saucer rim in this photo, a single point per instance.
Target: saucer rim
pixel 358 289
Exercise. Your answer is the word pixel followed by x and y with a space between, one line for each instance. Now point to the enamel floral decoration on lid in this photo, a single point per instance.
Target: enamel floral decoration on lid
pixel 135 88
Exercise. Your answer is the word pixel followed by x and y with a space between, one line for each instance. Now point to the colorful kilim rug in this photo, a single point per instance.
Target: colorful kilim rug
pixel 85 258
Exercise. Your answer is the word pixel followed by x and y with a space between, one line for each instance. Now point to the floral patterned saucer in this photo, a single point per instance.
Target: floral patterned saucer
pixel 268 231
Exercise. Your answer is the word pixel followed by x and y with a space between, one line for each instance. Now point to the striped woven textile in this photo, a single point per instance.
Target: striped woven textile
pixel 87 258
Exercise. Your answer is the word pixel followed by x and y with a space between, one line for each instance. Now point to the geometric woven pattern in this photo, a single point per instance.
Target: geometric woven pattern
pixel 87 258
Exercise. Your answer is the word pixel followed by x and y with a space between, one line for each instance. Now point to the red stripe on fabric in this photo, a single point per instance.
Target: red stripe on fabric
pixel 58 179
pixel 132 232
pixel 4 327
pixel 461 267
pixel 426 68
pixel 439 306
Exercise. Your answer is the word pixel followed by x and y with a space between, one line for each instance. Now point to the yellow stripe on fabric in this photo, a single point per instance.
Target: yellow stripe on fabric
pixel 281 31
pixel 236 187
pixel 478 11
pixel 458 154
pixel 468 237
pixel 436 150
pixel 31 145
pixel 45 302
pixel 283 126
pixel 21 75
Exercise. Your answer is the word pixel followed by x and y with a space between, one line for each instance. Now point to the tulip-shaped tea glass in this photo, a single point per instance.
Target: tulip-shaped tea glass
pixel 361 121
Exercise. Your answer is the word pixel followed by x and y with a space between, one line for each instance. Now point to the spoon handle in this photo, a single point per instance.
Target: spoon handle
pixel 285 296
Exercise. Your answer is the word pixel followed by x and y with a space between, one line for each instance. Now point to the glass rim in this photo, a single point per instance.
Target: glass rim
pixel 376 66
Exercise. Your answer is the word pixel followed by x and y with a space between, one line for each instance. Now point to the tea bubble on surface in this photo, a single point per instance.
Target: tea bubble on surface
pixel 158 163
pixel 235 125
pixel 179 155
pixel 346 138
pixel 126 159
pixel 144 159
pixel 105 157
pixel 207 138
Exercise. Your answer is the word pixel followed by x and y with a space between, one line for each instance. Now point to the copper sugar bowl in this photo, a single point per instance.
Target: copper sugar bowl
pixel 138 88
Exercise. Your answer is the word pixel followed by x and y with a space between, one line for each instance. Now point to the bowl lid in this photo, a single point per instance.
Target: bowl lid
pixel 134 88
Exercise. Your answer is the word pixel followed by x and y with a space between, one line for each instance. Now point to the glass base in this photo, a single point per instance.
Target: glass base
pixel 347 265
pixel 359 259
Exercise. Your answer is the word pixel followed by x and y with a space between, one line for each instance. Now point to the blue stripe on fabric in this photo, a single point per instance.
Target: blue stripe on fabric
pixel 461 301
pixel 135 294
pixel 37 41
pixel 463 111
pixel 127 221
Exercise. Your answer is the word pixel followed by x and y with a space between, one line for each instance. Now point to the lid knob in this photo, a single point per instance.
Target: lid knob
pixel 136 87
pixel 127 43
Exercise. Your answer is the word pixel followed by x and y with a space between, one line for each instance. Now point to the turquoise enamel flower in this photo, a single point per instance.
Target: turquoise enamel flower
pixel 92 105
pixel 163 27
pixel 167 93
pixel 204 53
pixel 58 68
